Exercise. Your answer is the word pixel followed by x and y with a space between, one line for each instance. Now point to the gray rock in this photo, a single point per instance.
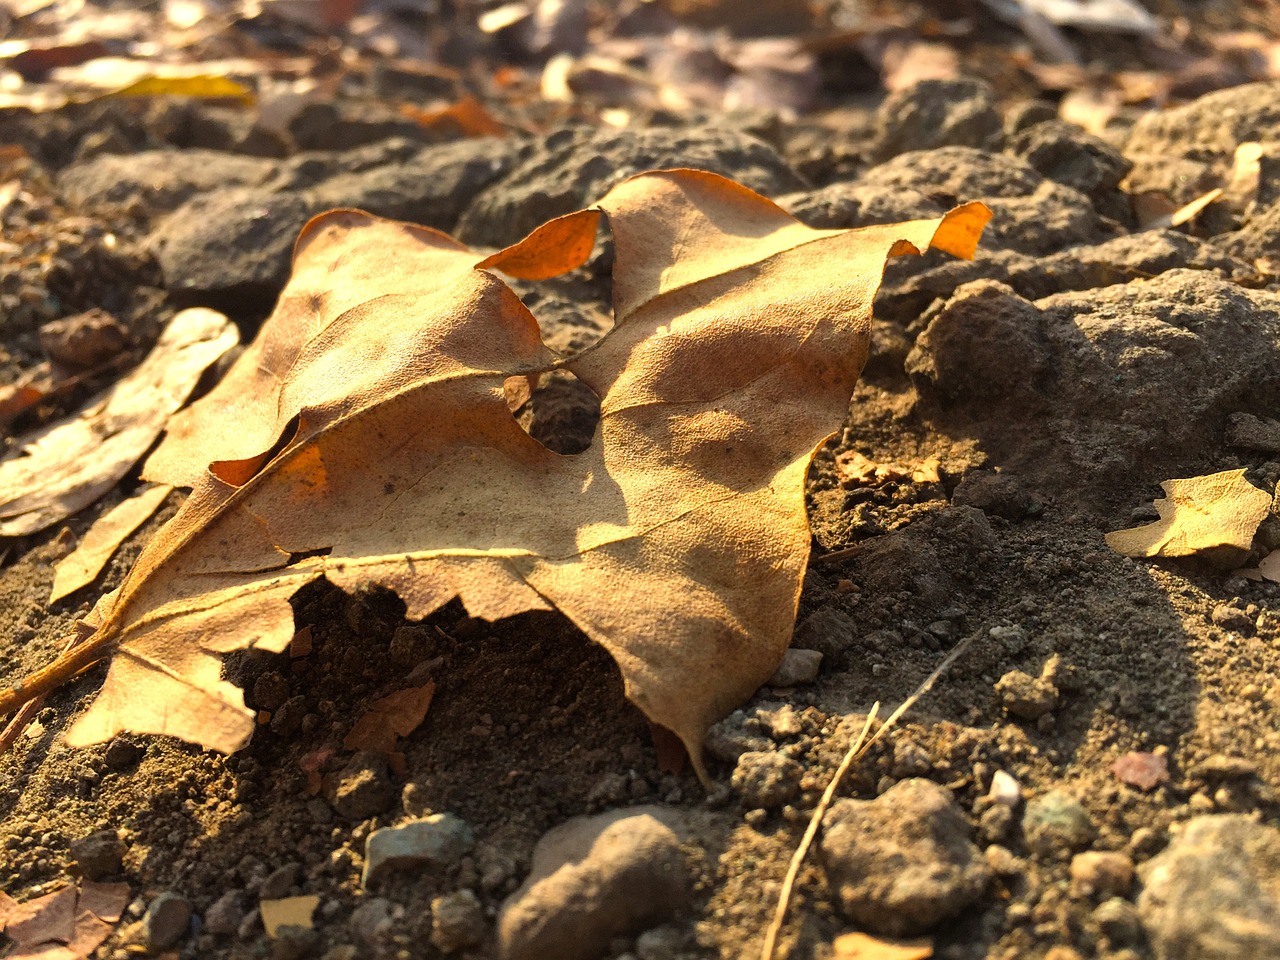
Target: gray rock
pixel 902 863
pixel 98 855
pixel 1214 892
pixel 308 169
pixel 295 943
pixel 160 180
pixel 593 879
pixel 1066 153
pixel 735 735
pixel 332 124
pixel 1082 388
pixel 660 943
pixel 1257 241
pixel 231 247
pixel 280 881
pixel 432 187
pixel 938 113
pixel 766 780
pixel 850 204
pixel 372 922
pixel 1186 150
pixel 1120 260
pixel 1057 823
pixel 1025 696
pixel 457 921
pixel 574 167
pixel 438 840
pixel 798 667
pixel 225 914
pixel 363 788
pixel 1253 433
pixel 165 921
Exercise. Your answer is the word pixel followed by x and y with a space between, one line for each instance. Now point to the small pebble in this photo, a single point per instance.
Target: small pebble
pixel 363 788
pixel 122 754
pixel 1144 771
pixel 438 840
pixel 1118 920
pixel 659 943
pixel 1230 617
pixel 280 882
pixel 294 943
pixel 98 855
pixel 224 915
pixel 165 922
pixel 1055 823
pixel 1025 696
pixel 767 780
pixel 797 667
pixel 1099 873
pixel 457 921
pixel 1005 790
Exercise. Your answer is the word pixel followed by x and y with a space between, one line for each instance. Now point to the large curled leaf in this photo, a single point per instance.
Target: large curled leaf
pixel 364 436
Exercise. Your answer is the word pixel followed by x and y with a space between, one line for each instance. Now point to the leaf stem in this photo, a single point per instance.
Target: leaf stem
pixel 77 654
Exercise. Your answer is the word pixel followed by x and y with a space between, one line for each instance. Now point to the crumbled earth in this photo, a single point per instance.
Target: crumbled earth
pixel 1056 379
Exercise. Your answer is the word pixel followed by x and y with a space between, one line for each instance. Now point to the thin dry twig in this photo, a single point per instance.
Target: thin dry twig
pixel 856 750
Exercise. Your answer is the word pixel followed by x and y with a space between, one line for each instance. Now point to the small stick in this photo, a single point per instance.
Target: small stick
pixel 857 749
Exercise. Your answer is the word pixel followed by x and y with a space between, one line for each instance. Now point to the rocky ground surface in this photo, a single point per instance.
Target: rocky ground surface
pixel 1078 361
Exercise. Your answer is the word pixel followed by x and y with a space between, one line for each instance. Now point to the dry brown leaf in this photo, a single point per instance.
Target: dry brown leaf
pixel 467 117
pixel 68 924
pixel 863 946
pixel 395 715
pixel 1198 513
pixel 70 463
pixel 100 542
pixel 1268 568
pixel 365 437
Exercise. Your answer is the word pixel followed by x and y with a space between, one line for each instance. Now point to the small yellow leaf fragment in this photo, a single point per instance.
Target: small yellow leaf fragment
pixel 863 946
pixel 1198 513
pixel 82 565
pixel 288 912
pixel 196 87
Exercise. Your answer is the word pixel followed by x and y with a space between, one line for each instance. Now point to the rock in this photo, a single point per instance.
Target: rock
pixel 849 204
pixel 1101 873
pixel 371 923
pixel 84 341
pixel 1186 150
pixel 1220 767
pixel 902 863
pixel 308 169
pixel 159 180
pixel 1257 241
pixel 98 855
pixel 573 167
pixel 1253 433
pixel 1230 617
pixel 733 736
pixel 593 879
pixel 767 779
pixel 294 943
pixel 1214 892
pixel 1065 153
pixel 231 247
pixel 332 124
pixel 457 921
pixel 165 922
pixel 363 788
pixel 225 914
pixel 1099 385
pixel 1118 920
pixel 1120 260
pixel 1055 823
pixel 797 667
pixel 122 754
pixel 438 840
pixel 432 187
pixel 280 881
pixel 996 495
pixel 660 943
pixel 1005 790
pixel 938 113
pixel 1025 696
pixel 910 759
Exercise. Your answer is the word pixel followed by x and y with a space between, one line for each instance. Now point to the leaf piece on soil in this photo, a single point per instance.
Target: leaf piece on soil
pixel 67 465
pixel 365 437
pixel 863 946
pixel 288 912
pixel 1198 513
pixel 395 715
pixel 1146 771
pixel 100 542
